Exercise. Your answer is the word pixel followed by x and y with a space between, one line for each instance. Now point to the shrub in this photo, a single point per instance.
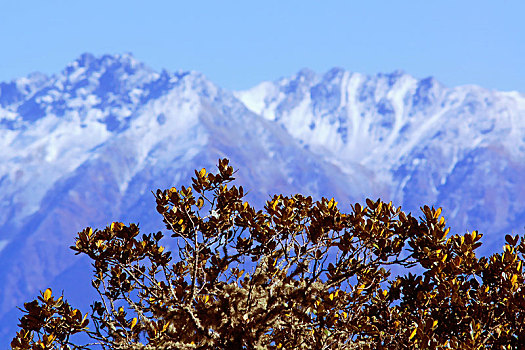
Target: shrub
pixel 297 275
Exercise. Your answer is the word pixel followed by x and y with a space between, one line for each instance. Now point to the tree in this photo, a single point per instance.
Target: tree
pixel 297 275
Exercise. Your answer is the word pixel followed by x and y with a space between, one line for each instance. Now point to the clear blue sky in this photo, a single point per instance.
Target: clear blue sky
pixel 240 43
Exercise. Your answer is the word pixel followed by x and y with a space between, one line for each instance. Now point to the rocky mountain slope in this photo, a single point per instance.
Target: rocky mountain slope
pixel 462 148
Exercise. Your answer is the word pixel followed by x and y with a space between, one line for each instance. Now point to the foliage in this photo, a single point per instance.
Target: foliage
pixel 297 275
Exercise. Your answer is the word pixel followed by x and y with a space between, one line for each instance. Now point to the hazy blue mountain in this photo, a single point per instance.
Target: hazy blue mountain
pixel 461 148
pixel 88 145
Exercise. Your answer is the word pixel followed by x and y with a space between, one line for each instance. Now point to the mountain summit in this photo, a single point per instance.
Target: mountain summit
pixel 462 148
pixel 87 146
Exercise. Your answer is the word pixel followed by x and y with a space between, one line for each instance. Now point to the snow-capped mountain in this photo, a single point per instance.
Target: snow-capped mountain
pixel 462 148
pixel 88 145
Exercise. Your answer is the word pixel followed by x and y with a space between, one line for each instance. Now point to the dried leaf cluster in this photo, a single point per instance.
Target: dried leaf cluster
pixel 297 275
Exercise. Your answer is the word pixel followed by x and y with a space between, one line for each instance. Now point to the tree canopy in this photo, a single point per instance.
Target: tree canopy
pixel 298 274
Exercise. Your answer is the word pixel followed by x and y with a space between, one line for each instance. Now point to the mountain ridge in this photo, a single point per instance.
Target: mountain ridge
pixel 87 146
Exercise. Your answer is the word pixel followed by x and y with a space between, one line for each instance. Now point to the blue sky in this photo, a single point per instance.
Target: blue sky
pixel 240 43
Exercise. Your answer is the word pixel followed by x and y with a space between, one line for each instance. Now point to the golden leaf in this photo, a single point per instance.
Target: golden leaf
pixel 413 334
pixel 200 203
pixel 47 294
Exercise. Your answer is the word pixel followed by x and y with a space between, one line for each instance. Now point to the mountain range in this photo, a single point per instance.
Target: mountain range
pixel 88 145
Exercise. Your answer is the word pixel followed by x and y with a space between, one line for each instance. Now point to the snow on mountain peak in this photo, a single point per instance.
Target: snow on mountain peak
pixel 365 118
